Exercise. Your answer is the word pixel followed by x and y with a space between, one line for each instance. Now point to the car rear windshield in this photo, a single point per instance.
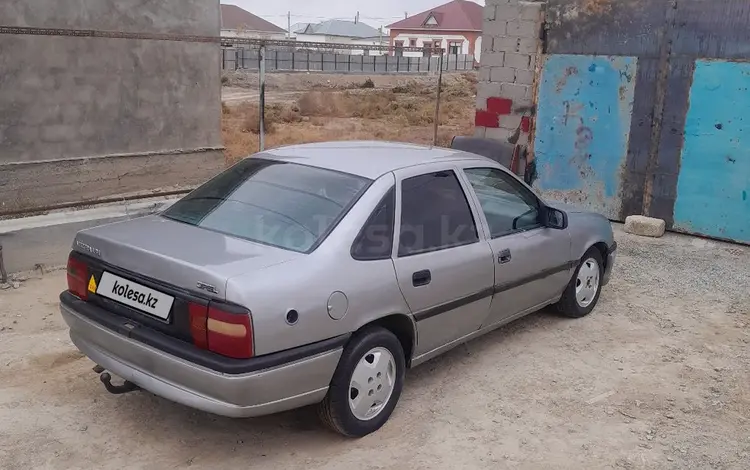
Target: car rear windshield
pixel 282 204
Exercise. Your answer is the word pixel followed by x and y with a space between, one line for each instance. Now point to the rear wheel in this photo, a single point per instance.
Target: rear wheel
pixel 582 294
pixel 366 385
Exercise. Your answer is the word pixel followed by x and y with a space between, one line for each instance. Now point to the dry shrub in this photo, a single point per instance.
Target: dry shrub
pixel 225 109
pixel 315 103
pixel 275 114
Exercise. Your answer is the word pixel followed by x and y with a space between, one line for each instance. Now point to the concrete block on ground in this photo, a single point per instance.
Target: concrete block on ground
pixel 645 226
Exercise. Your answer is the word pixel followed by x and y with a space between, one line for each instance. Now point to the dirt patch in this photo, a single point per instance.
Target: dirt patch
pixel 656 377
pixel 403 112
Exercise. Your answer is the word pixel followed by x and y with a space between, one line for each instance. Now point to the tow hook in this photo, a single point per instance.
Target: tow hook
pixel 126 387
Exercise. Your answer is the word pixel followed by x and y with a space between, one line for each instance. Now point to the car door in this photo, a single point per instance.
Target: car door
pixel 532 262
pixel 443 263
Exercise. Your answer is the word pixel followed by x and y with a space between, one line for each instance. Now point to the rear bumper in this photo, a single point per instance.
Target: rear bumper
pixel 299 383
pixel 610 262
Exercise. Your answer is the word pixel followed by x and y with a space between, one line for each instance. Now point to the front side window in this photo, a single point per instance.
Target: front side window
pixel 435 214
pixel 281 204
pixel 506 204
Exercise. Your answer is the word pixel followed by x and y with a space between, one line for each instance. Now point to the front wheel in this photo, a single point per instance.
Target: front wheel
pixel 582 294
pixel 366 385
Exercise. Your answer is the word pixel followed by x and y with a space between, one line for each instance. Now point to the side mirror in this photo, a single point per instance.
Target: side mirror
pixel 554 218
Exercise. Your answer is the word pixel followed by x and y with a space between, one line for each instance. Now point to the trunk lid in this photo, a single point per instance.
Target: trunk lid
pixel 185 263
pixel 178 254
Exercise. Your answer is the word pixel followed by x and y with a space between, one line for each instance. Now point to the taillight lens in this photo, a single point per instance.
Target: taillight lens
pixel 198 319
pixel 229 333
pixel 225 330
pixel 78 277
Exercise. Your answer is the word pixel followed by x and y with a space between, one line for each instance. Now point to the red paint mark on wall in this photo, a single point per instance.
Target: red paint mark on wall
pixel 526 124
pixel 487 119
pixel 501 106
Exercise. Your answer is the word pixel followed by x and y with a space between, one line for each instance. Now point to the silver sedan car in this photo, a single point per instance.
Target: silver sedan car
pixel 317 274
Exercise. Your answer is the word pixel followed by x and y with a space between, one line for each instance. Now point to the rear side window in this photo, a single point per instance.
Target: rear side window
pixel 375 241
pixel 281 204
pixel 435 214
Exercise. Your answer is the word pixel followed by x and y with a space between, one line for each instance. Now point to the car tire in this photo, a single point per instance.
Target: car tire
pixel 373 358
pixel 579 299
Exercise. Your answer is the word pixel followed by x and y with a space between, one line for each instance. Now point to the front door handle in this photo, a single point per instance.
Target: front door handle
pixel 504 256
pixel 421 278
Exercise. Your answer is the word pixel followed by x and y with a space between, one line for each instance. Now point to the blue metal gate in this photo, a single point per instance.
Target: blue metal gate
pixel 641 111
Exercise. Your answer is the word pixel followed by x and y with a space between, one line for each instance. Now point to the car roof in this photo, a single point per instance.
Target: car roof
pixel 369 159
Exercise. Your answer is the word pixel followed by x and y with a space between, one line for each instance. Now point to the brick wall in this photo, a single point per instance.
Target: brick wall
pixel 511 47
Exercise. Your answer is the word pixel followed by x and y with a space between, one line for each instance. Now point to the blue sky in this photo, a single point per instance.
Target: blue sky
pixel 375 13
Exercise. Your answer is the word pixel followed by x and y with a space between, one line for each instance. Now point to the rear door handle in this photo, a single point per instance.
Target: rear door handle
pixel 504 256
pixel 421 278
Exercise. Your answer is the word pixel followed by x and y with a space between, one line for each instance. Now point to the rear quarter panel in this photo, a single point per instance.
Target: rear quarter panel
pixel 306 284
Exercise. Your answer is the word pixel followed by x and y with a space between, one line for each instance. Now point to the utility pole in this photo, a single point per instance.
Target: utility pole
pixel 289 25
pixel 356 18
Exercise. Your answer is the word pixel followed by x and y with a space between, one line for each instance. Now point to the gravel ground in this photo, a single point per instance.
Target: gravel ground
pixel 656 377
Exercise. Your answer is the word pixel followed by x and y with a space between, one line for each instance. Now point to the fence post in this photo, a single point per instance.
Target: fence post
pixel 308 61
pixel 292 61
pixel 223 58
pixel 349 64
pixel 437 104
pixel 3 272
pixel 262 105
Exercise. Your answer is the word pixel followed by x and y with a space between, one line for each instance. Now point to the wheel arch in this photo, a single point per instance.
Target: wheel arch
pixel 405 330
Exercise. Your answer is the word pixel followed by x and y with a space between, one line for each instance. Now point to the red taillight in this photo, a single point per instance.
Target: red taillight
pixel 78 278
pixel 229 334
pixel 224 332
pixel 198 319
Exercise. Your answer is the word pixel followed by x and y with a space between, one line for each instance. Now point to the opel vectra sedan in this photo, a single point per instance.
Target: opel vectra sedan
pixel 320 273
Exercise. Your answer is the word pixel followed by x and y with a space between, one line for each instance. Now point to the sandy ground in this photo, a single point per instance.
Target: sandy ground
pixel 656 377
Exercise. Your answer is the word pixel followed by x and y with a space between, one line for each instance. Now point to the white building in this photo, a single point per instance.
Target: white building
pixel 354 33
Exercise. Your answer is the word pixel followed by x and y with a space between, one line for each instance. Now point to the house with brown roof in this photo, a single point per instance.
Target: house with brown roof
pixel 236 22
pixel 455 27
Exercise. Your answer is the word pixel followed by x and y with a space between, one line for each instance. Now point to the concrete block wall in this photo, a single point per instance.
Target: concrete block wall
pixel 511 49
pixel 89 118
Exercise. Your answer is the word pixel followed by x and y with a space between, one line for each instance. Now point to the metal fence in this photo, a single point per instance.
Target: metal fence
pixel 259 54
pixel 243 58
